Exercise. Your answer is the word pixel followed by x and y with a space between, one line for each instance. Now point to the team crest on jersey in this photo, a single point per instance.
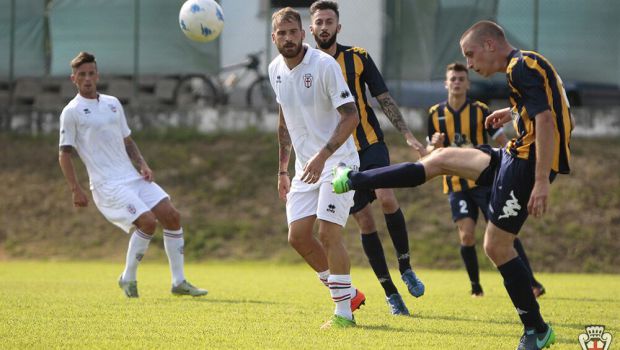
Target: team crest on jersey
pixel 595 337
pixel 86 111
pixel 308 80
pixel 112 108
pixel 460 140
pixel 131 209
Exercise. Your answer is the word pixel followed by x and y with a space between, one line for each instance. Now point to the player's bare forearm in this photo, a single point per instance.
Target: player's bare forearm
pixel 284 143
pixel 349 118
pixel 133 152
pixel 66 165
pixel 545 144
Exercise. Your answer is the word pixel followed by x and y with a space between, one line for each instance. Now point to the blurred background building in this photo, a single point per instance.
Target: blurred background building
pixel 142 54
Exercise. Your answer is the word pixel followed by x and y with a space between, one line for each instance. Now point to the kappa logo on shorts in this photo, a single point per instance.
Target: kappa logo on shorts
pixel 511 207
pixel 331 208
pixel 131 209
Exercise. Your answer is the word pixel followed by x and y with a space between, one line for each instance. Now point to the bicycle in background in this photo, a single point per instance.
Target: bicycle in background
pixel 201 90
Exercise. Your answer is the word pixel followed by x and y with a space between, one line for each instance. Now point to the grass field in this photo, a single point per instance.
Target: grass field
pixel 262 305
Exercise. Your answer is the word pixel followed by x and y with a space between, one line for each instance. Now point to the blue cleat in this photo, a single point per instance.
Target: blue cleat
pixel 413 283
pixel 397 305
pixel 536 341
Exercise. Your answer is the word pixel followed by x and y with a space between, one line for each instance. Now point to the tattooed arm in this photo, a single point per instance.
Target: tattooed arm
pixel 136 157
pixel 284 155
pixel 349 118
pixel 392 112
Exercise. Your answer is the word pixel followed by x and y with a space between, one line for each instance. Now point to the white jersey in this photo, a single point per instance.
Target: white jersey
pixel 96 128
pixel 309 95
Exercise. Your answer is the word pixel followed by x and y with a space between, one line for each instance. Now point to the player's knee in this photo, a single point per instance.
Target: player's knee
pixel 328 240
pixel 496 252
pixel 365 221
pixel 174 218
pixel 295 241
pixel 147 223
pixel 467 238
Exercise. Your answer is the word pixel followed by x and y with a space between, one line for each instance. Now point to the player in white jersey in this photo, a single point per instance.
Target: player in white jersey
pixel 317 117
pixel 95 126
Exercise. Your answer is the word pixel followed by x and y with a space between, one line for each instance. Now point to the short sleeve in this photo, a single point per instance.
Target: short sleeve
pixel 123 120
pixel 531 85
pixel 68 128
pixel 431 125
pixel 335 84
pixel 373 78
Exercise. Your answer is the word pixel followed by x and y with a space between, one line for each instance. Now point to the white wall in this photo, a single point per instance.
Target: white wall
pixel 248 28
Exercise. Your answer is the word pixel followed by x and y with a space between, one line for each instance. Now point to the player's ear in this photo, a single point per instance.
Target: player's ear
pixel 338 28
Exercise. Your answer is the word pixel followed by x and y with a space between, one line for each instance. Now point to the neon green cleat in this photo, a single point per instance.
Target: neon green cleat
pixel 186 288
pixel 339 322
pixel 536 341
pixel 341 182
pixel 129 287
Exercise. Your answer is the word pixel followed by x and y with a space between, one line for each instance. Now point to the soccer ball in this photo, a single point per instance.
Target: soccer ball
pixel 201 20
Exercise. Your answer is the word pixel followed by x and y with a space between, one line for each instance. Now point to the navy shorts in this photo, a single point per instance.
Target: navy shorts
pixel 511 180
pixel 465 204
pixel 372 157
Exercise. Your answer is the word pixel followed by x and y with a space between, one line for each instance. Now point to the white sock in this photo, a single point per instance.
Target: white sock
pixel 138 243
pixel 340 289
pixel 173 243
pixel 323 276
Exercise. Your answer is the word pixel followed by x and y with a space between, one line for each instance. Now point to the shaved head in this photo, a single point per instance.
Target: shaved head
pixel 484 30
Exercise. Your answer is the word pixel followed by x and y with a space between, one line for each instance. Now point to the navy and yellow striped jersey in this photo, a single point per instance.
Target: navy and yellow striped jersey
pixel 360 71
pixel 535 86
pixel 463 128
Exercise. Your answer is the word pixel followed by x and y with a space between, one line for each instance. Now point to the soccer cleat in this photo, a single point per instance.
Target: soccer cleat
pixel 339 322
pixel 476 290
pixel 536 341
pixel 186 288
pixel 413 283
pixel 358 300
pixel 397 305
pixel 129 287
pixel 538 290
pixel 340 181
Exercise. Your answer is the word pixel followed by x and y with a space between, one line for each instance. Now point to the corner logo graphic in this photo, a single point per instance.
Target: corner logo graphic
pixel 511 207
pixel 595 338
pixel 308 80
pixel 344 94
pixel 331 208
pixel 131 209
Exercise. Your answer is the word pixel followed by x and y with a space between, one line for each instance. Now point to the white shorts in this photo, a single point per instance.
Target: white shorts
pixel 322 202
pixel 123 202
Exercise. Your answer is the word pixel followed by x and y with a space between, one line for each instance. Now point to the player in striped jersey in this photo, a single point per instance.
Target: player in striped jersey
pixel 459 122
pixel 360 71
pixel 520 173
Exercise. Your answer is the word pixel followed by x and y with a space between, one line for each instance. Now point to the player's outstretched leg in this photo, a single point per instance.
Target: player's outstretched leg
pixel 392 176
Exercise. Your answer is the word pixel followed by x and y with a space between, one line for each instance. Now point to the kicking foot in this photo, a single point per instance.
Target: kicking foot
pixel 340 181
pixel 186 288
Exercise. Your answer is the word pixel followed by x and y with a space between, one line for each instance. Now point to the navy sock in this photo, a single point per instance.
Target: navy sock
pixel 392 176
pixel 517 283
pixel 519 248
pixel 470 258
pixel 374 251
pixel 397 228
